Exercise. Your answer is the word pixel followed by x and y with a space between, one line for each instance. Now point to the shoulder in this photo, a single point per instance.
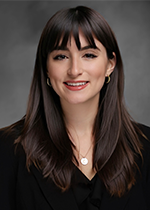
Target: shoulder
pixel 145 166
pixel 12 159
pixel 145 129
pixel 144 137
pixel 8 136
pixel 10 154
pixel 6 144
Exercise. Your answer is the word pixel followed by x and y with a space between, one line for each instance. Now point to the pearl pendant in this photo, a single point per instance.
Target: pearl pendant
pixel 84 161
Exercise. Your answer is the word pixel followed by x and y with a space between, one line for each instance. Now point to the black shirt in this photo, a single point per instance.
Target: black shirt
pixel 87 192
pixel 21 190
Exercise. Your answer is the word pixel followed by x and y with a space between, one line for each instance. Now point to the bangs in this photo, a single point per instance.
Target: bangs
pixel 74 31
pixel 64 25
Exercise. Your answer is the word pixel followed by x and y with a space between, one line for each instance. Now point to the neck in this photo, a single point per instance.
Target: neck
pixel 80 117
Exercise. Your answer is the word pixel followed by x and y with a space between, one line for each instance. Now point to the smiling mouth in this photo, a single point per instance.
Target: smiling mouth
pixel 76 84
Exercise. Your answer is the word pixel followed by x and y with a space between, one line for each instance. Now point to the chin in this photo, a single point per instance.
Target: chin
pixel 76 101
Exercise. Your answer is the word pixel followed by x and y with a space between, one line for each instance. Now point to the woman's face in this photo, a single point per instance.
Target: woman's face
pixel 77 76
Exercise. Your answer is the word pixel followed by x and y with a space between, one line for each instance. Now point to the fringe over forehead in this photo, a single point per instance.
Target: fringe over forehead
pixel 67 22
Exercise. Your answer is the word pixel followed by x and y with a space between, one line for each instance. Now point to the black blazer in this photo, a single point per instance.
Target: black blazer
pixel 21 190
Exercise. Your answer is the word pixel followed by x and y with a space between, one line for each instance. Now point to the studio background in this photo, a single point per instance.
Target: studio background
pixel 21 24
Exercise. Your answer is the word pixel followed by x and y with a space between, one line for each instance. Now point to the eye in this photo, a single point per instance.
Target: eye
pixel 60 57
pixel 89 55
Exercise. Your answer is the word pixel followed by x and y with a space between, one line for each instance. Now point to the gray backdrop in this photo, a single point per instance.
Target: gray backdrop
pixel 21 24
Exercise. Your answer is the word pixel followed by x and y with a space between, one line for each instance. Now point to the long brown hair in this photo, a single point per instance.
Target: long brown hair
pixel 44 135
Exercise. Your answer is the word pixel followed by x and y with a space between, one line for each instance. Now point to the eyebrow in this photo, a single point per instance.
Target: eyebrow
pixel 81 49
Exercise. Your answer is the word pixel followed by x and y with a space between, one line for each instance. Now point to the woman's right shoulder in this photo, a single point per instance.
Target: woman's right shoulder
pixel 12 160
pixel 8 136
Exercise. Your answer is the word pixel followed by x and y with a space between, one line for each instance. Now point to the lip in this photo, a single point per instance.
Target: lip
pixel 76 88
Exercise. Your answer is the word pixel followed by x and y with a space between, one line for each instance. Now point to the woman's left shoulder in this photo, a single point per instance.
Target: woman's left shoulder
pixel 145 129
pixel 144 138
pixel 145 135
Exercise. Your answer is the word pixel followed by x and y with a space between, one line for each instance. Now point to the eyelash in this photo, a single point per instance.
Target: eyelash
pixel 62 57
pixel 89 55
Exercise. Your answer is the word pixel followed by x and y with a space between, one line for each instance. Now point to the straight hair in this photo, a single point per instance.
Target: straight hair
pixel 44 134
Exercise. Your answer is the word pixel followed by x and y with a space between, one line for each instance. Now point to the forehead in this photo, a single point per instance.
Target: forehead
pixel 82 39
pixel 79 39
pixel 84 43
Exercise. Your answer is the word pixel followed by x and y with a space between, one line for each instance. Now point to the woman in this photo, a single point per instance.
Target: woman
pixel 76 147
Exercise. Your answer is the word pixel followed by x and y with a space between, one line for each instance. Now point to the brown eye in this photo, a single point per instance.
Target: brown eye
pixel 89 55
pixel 60 57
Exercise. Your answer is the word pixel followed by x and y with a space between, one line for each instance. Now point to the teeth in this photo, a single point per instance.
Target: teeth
pixel 76 84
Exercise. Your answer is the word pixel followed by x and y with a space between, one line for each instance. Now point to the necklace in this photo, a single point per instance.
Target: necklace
pixel 84 160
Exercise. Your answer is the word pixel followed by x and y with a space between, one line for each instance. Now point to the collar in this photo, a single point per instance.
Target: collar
pixel 67 200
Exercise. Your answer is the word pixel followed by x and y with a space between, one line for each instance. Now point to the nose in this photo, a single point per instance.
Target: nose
pixel 75 68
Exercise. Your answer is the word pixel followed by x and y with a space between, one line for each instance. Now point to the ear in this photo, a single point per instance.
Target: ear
pixel 111 65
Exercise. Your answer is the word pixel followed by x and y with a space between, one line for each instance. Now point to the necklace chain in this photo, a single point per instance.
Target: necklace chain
pixel 84 160
pixel 86 153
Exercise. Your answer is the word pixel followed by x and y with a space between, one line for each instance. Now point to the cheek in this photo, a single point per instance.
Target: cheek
pixel 51 69
pixel 53 73
pixel 98 71
pixel 55 79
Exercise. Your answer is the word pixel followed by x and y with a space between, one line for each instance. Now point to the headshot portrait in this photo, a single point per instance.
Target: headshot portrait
pixel 75 124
